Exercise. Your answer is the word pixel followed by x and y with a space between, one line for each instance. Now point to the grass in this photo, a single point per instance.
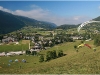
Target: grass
pixel 86 61
pixel 7 48
pixel 24 45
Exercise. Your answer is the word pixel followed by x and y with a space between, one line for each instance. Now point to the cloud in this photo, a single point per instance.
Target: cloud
pixel 99 7
pixel 6 10
pixel 45 15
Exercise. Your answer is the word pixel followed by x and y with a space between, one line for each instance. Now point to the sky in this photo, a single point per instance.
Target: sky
pixel 58 12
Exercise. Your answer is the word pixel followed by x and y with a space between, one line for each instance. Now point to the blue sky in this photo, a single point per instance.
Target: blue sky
pixel 58 12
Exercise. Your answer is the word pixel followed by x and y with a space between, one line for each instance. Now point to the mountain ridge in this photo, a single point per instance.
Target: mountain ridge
pixel 10 22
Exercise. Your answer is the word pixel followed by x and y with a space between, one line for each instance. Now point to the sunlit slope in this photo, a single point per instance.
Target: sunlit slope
pixel 85 61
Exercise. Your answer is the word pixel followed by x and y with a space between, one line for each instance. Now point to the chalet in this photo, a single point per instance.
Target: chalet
pixel 36 47
pixel 8 39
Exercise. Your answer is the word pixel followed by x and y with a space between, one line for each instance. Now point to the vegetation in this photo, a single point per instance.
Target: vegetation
pixel 7 48
pixel 10 22
pixel 67 27
pixel 97 40
pixel 86 61
pixel 59 52
pixel 41 58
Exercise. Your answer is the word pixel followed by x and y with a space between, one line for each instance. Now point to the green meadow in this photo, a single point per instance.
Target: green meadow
pixel 22 46
pixel 85 61
pixel 7 48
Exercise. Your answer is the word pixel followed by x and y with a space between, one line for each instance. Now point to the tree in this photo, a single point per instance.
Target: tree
pixel 51 55
pixel 60 53
pixel 28 52
pixel 54 54
pixel 48 56
pixel 41 58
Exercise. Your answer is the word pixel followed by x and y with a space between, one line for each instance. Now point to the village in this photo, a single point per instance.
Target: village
pixel 37 41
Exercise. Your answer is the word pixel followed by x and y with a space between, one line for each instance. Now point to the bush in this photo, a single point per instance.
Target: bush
pixel 60 53
pixel 75 47
pixel 41 58
pixel 51 55
pixel 48 55
pixel 34 53
pixel 28 52
pixel 54 54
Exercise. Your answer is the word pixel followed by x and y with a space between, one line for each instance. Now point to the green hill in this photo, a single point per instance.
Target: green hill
pixel 92 27
pixel 85 61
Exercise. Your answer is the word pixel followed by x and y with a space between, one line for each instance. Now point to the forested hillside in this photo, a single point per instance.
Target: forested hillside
pixel 67 26
pixel 10 22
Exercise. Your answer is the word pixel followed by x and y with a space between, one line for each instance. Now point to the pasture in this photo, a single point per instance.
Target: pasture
pixel 23 45
pixel 85 61
pixel 7 48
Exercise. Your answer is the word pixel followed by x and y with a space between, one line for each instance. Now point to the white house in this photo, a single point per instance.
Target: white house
pixel 2 54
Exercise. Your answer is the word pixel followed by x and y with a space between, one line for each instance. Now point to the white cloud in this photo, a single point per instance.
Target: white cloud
pixel 99 7
pixel 45 15
pixel 6 10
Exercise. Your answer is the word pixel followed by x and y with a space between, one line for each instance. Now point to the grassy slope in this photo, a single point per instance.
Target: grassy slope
pixel 86 61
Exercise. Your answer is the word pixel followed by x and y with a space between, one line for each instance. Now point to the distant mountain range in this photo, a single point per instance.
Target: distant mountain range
pixel 10 22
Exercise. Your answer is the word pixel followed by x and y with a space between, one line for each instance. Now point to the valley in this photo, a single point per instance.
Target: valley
pixel 48 49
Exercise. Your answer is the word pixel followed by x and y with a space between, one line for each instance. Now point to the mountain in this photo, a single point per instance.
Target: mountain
pixel 66 26
pixel 97 19
pixel 10 22
pixel 53 25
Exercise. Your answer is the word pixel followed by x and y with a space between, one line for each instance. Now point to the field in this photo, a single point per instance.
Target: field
pixel 86 61
pixel 23 45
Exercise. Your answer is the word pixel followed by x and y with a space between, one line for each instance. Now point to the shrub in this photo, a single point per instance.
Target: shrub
pixel 48 55
pixel 60 53
pixel 54 54
pixel 34 53
pixel 41 58
pixel 28 52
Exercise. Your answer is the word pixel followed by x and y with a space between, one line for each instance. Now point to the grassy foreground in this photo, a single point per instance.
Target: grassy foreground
pixel 86 61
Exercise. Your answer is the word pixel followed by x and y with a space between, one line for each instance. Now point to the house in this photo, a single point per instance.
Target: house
pixel 76 37
pixel 2 54
pixel 8 39
pixel 26 37
pixel 36 47
pixel 96 31
pixel 16 53
pixel 40 37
